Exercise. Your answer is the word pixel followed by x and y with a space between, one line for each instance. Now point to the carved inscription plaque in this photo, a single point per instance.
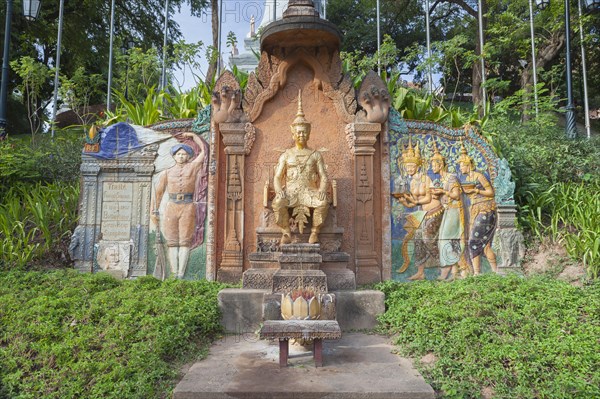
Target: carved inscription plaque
pixel 116 210
pixel 117 192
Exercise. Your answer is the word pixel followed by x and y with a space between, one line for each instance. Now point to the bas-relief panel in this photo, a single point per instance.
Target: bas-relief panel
pixel 177 239
pixel 436 235
pixel 121 203
pixel 113 257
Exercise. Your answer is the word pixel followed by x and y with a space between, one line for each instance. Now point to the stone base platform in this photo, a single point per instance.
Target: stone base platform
pixel 244 309
pixel 358 366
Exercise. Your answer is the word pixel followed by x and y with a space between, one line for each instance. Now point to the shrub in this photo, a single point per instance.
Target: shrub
pixel 540 155
pixel 519 337
pixel 47 161
pixel 568 213
pixel 36 222
pixel 557 184
pixel 67 335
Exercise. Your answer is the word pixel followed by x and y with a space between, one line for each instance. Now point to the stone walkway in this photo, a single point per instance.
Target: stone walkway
pixel 357 366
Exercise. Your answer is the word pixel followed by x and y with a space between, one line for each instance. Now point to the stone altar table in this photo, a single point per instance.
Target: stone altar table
pixel 316 330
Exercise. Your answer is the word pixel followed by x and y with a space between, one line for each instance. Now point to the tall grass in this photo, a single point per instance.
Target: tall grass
pixel 568 213
pixel 36 222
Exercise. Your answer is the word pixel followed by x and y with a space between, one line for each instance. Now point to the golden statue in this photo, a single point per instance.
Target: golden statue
pixel 451 238
pixel 482 213
pixel 424 222
pixel 300 183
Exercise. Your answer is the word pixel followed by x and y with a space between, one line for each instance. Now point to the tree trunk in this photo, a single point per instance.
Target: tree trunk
pixel 527 86
pixel 212 63
pixel 477 77
pixel 545 53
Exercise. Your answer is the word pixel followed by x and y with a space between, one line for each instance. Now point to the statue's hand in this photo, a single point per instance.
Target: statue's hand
pixel 322 195
pixel 188 134
pixel 280 195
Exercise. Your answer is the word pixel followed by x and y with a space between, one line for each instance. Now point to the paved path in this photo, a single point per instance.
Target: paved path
pixel 357 366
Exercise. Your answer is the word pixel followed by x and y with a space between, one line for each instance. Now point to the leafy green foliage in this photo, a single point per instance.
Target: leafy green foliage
pixel 186 56
pixel 39 191
pixel 519 337
pixel 186 105
pixel 413 106
pixel 557 182
pixel 161 105
pixel 145 113
pixel 241 77
pixel 540 155
pixel 77 92
pixel 67 335
pixel 357 64
pixel 565 213
pixel 33 76
pixel 36 222
pixel 45 161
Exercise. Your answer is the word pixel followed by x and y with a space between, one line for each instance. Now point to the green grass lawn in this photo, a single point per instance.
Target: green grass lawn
pixel 513 337
pixel 69 335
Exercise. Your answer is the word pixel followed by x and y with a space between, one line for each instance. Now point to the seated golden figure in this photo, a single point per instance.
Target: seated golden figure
pixel 300 183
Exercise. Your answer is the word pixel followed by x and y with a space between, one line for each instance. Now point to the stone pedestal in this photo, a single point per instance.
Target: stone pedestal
pixel 300 266
pixel 288 280
pixel 300 257
pixel 508 241
pixel 264 265
pixel 243 310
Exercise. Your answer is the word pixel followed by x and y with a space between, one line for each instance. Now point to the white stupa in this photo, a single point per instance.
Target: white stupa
pixel 247 61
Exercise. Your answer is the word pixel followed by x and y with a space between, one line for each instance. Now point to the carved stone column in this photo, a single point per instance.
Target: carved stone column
pixel 508 241
pixel 367 266
pixel 84 237
pixel 232 259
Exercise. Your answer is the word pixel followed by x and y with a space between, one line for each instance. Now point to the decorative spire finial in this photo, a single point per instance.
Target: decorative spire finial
pixel 436 153
pixel 300 120
pixel 464 156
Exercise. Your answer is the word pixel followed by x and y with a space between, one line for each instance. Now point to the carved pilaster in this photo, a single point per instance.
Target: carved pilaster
pixel 232 260
pixel 508 241
pixel 365 137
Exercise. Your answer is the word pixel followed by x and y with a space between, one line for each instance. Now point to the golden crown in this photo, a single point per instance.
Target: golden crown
pixel 437 156
pixel 410 154
pixel 464 157
pixel 300 120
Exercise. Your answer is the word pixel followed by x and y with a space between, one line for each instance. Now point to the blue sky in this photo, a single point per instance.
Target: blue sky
pixel 236 18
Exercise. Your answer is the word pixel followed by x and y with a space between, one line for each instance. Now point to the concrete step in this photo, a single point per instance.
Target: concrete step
pixel 359 366
pixel 243 310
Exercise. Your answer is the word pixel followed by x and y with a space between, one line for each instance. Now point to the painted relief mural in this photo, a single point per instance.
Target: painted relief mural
pixel 178 205
pixel 444 211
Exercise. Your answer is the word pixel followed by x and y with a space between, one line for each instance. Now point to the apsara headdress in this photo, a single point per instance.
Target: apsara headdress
pixel 464 157
pixel 437 156
pixel 410 154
